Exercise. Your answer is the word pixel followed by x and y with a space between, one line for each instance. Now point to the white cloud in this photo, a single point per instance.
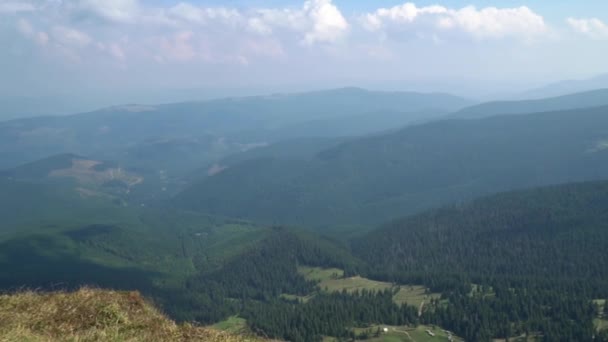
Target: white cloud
pixel 7 6
pixel 42 38
pixel 318 21
pixel 70 37
pixel 257 25
pixel 405 13
pixel 111 10
pixel 178 47
pixel 328 24
pixel 116 51
pixel 27 30
pixel 199 15
pixel 592 27
pixel 266 21
pixel 485 23
pixel 187 32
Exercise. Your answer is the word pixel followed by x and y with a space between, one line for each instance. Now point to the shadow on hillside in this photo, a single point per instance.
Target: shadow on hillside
pixel 41 262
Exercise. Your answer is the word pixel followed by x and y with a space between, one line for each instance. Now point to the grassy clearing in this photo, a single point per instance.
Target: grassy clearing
pixel 531 338
pixel 414 295
pixel 353 284
pixel 94 315
pixel 320 274
pixel 233 324
pixel 601 324
pixel 331 280
pixel 419 334
pixel 303 299
pixel 404 334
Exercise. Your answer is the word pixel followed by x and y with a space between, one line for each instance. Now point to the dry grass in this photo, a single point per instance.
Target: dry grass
pixel 94 315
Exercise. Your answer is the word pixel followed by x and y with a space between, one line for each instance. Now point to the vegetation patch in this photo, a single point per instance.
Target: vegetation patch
pixel 384 333
pixel 414 295
pixel 333 280
pixel 232 324
pixel 94 315
pixel 320 274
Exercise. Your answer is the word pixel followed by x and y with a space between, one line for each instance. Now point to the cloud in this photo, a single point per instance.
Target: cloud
pixel 27 30
pixel 185 33
pixel 70 37
pixel 318 21
pixel 15 6
pixel 178 47
pixel 485 23
pixel 113 49
pixel 593 27
pixel 110 10
pixel 328 24
pixel 199 15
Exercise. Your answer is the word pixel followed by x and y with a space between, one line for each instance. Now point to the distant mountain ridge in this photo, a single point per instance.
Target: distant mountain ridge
pixel 566 87
pixel 593 98
pixel 369 180
pixel 182 136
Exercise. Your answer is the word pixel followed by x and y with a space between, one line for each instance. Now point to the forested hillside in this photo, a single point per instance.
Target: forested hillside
pixel 370 180
pixel 531 261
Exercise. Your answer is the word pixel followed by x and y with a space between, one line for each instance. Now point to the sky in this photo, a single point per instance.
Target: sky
pixel 88 47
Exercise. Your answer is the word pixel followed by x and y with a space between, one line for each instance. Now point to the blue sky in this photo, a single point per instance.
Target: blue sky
pixel 90 46
pixel 552 9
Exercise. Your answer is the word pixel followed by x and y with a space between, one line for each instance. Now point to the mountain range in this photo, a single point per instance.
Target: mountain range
pixel 321 216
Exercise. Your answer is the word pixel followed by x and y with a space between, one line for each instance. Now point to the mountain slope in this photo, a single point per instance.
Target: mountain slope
pixel 594 98
pixel 567 87
pixel 515 264
pixel 374 179
pixel 556 232
pixel 94 315
pixel 198 132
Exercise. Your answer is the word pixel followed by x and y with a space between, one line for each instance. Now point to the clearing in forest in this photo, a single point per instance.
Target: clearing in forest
pixel 332 280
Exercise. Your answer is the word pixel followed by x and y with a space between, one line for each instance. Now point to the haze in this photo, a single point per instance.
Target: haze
pixel 98 52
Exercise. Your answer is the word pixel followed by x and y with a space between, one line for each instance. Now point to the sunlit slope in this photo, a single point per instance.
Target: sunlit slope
pixel 94 315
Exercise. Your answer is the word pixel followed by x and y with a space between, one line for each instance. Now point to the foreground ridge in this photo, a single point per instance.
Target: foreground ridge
pixel 94 315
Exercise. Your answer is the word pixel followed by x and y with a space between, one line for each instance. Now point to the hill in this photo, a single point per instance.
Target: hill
pixel 369 180
pixel 94 315
pixel 95 178
pixel 81 171
pixel 567 87
pixel 180 137
pixel 554 233
pixel 594 98
pixel 509 265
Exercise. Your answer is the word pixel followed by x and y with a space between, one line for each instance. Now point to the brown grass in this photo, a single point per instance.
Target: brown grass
pixel 94 315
